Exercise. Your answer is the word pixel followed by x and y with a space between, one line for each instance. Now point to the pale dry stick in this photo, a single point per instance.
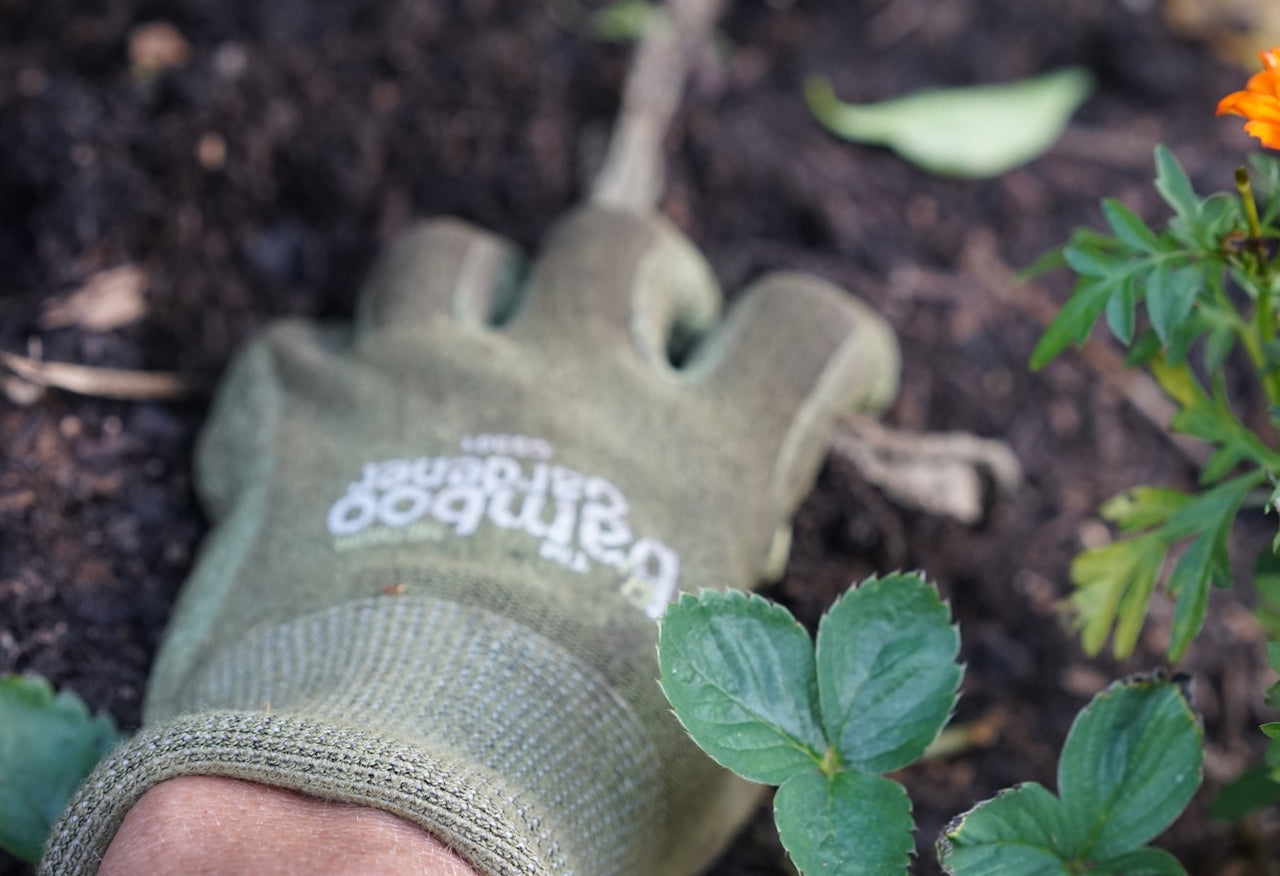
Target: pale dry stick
pixel 983 263
pixel 100 382
pixel 632 175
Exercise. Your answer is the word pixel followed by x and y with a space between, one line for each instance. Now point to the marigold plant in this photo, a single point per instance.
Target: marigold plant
pixel 1209 284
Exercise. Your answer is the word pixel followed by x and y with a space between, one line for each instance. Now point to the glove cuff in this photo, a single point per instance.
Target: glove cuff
pixel 487 735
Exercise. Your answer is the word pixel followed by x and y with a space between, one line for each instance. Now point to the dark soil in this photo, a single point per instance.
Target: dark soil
pixel 343 120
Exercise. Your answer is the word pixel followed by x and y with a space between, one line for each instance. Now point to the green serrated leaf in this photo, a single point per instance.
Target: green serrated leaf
pixel 1122 573
pixel 1218 344
pixel 1091 261
pixel 1174 187
pixel 739 673
pixel 978 131
pixel 1141 862
pixel 1143 507
pixel 48 744
pixel 1209 517
pixel 1047 262
pixel 1022 830
pixel 1254 789
pixel 1128 227
pixel 1170 295
pixel 1073 322
pixel 1189 583
pixel 1121 311
pixel 1132 761
pixel 1271 729
pixel 851 824
pixel 887 675
pixel 1143 350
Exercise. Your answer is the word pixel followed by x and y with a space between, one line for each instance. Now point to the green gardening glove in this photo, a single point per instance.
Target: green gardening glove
pixel 442 538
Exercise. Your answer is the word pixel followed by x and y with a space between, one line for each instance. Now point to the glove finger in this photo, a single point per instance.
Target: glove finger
pixel 611 280
pixel 795 353
pixel 442 269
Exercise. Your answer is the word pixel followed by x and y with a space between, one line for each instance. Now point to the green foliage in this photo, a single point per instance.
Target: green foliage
pixel 1205 281
pixel 822 723
pixel 976 131
pixel 1131 763
pixel 48 744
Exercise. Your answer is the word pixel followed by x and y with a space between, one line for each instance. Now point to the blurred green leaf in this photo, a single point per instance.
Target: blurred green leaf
pixel 1252 790
pixel 1175 188
pixel 1116 579
pixel 1128 227
pixel 1170 295
pixel 1143 507
pixel 1073 322
pixel 48 744
pixel 1122 311
pixel 976 131
pixel 626 20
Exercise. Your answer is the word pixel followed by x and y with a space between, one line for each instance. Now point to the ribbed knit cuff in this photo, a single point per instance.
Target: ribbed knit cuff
pixel 487 735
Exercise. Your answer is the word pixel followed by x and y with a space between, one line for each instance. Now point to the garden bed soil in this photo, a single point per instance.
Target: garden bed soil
pixel 257 177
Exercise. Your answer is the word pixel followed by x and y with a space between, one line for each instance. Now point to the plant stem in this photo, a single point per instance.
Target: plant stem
pixel 1263 324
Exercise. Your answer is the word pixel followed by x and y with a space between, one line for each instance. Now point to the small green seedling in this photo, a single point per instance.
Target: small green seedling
pixel 746 682
pixel 975 131
pixel 48 744
pixel 1131 763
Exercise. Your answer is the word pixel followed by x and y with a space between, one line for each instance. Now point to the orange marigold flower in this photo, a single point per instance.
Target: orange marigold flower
pixel 1260 101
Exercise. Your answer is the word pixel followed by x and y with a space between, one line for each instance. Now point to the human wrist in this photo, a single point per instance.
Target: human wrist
pixel 194 823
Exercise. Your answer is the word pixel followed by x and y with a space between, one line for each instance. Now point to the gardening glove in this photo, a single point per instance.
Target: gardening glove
pixel 442 538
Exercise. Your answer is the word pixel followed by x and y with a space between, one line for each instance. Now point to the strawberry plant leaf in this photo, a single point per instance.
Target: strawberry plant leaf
pixel 739 673
pixel 1023 829
pixel 1142 862
pixel 48 744
pixel 887 675
pixel 1132 761
pixel 851 824
pixel 1254 789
